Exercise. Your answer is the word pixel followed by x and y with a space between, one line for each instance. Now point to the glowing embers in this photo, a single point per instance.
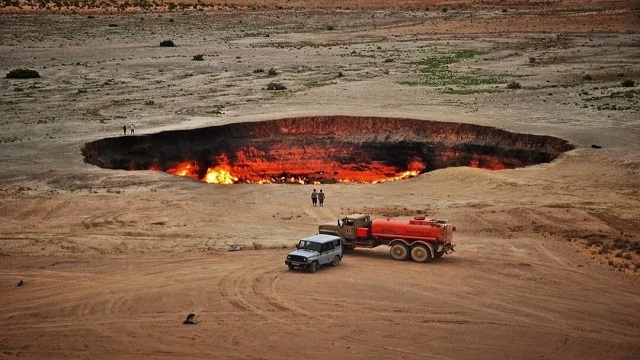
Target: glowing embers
pixel 279 164
pixel 401 176
pixel 377 172
pixel 273 173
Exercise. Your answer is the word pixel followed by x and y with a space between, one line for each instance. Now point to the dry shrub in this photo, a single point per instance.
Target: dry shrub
pixel 167 43
pixel 22 74
pixel 275 86
pixel 514 85
pixel 627 83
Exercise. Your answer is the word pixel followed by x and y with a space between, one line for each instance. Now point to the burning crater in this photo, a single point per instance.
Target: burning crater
pixel 324 149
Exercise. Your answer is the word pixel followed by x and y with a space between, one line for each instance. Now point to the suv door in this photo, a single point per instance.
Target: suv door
pixel 338 247
pixel 336 250
pixel 327 252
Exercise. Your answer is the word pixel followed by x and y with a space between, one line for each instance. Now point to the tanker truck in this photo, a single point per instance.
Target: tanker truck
pixel 420 238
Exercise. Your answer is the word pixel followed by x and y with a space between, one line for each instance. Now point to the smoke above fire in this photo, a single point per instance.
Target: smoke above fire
pixel 317 150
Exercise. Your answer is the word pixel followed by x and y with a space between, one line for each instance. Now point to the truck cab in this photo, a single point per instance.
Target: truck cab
pixel 346 228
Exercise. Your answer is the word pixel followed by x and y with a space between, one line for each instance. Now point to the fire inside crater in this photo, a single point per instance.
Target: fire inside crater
pixel 323 149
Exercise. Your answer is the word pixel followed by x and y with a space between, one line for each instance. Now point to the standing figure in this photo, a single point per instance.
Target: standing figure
pixel 321 198
pixel 124 128
pixel 132 127
pixel 314 197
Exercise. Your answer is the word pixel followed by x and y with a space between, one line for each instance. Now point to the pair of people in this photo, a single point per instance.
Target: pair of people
pixel 130 126
pixel 317 197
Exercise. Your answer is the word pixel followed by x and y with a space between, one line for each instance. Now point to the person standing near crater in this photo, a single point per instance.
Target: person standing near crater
pixel 124 128
pixel 132 127
pixel 321 198
pixel 314 198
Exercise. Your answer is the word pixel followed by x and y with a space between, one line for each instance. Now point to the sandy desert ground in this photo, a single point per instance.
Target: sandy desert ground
pixel 547 262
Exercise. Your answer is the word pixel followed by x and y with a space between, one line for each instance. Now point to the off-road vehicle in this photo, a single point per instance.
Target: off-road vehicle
pixel 313 251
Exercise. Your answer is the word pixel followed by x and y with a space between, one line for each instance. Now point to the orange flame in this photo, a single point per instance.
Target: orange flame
pixel 400 176
pixel 306 173
pixel 488 163
pixel 220 175
pixel 298 180
pixel 291 180
pixel 188 169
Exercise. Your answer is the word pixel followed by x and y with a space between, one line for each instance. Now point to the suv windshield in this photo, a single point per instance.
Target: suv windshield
pixel 309 245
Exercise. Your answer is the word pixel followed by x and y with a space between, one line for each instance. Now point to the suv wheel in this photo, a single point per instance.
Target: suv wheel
pixel 314 267
pixel 291 267
pixel 336 261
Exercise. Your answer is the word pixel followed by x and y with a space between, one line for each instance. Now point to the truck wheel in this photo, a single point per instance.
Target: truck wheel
pixel 420 253
pixel 438 254
pixel 336 261
pixel 314 267
pixel 291 267
pixel 399 251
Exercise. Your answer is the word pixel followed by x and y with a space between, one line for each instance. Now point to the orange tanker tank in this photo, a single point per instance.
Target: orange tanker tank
pixel 412 229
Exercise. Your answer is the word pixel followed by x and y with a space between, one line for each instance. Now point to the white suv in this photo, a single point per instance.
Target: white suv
pixel 313 251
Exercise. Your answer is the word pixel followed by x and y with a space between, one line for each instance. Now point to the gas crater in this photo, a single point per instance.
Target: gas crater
pixel 323 149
